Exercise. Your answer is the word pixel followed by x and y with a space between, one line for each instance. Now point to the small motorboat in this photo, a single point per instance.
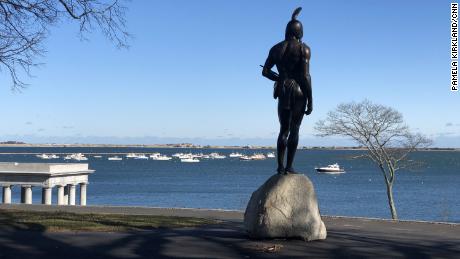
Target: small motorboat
pixel 76 156
pixel 185 156
pixel 258 156
pixel 189 160
pixel 216 156
pixel 131 155
pixel 331 169
pixel 159 157
pixel 245 158
pixel 178 155
pixel 141 156
pixel 271 155
pixel 114 158
pixel 235 154
pixel 44 156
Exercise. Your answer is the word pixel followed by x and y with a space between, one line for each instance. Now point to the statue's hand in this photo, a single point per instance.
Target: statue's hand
pixel 308 111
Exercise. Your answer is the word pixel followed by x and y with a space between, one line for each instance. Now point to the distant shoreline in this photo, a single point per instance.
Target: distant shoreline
pixel 192 146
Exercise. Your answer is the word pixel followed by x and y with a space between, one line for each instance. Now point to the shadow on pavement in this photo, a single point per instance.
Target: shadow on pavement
pixel 226 240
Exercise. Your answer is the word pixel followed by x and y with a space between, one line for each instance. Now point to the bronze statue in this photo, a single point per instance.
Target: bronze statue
pixel 292 88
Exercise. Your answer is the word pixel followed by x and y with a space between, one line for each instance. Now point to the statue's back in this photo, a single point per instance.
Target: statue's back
pixel 289 58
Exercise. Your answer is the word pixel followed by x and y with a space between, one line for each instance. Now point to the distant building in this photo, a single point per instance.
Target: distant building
pixel 12 142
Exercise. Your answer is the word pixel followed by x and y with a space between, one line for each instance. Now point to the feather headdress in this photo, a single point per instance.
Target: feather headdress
pixel 296 13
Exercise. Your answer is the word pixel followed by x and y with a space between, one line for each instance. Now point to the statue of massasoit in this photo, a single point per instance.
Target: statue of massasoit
pixel 292 88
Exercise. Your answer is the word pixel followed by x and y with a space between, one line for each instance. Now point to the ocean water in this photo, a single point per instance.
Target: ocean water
pixel 429 192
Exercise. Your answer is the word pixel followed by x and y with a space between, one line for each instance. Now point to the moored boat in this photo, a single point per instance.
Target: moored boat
pixel 141 156
pixel 43 156
pixel 235 154
pixel 76 156
pixel 245 158
pixel 131 155
pixel 189 160
pixel 159 157
pixel 258 157
pixel 216 156
pixel 330 169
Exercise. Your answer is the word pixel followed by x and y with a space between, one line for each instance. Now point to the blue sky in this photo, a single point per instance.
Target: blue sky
pixel 192 73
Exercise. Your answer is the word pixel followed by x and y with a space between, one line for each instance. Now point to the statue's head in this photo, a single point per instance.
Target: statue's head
pixel 294 28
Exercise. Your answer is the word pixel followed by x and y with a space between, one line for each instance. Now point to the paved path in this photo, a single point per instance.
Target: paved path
pixel 347 238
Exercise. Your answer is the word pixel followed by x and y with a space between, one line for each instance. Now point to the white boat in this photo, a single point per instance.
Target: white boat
pixel 163 158
pixel 43 156
pixel 131 155
pixel 185 156
pixel 53 156
pixel 80 157
pixel 189 160
pixel 271 155
pixel 159 157
pixel 199 155
pixel 76 156
pixel 235 154
pixel 245 158
pixel 331 169
pixel 141 156
pixel 114 158
pixel 258 157
pixel 178 155
pixel 216 156
pixel 97 156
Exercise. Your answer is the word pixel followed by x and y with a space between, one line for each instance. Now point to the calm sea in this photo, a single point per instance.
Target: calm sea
pixel 430 192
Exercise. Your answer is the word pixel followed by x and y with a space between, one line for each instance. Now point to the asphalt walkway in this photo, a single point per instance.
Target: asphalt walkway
pixel 347 238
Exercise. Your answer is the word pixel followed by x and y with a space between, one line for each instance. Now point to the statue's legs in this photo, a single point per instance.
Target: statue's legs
pixel 293 140
pixel 297 113
pixel 284 116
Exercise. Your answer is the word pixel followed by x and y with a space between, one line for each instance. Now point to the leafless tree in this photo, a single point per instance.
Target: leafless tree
pixel 24 24
pixel 382 131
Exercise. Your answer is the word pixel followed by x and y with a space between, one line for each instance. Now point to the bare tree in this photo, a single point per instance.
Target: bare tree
pixel 382 131
pixel 24 24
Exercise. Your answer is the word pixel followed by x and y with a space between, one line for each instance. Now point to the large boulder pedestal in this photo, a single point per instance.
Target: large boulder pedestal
pixel 285 206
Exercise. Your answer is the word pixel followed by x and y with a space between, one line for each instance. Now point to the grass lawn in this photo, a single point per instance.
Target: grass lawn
pixel 65 221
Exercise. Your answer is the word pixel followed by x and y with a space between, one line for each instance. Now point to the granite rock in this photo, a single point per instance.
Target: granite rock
pixel 285 206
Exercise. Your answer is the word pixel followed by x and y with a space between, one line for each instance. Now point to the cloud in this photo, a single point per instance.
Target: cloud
pixel 41 130
pixel 67 127
pixel 449 124
pixel 28 123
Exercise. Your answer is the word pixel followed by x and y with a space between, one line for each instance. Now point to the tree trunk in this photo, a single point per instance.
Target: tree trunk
pixel 391 203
